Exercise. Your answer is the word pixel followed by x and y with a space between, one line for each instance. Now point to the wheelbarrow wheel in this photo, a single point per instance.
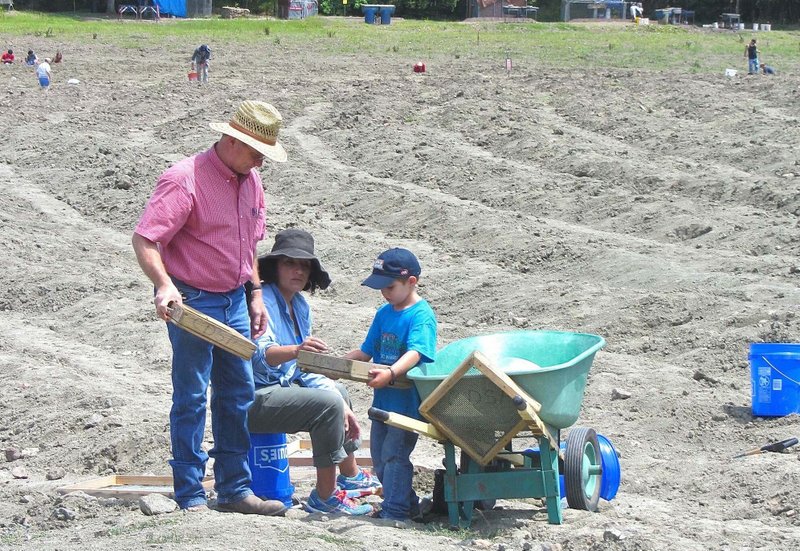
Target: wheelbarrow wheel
pixel 582 469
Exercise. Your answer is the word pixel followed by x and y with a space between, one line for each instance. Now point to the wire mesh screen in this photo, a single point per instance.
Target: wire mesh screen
pixel 475 414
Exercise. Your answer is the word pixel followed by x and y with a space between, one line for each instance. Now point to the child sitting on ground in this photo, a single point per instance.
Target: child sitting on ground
pixel 8 57
pixel 402 335
pixel 31 59
pixel 767 70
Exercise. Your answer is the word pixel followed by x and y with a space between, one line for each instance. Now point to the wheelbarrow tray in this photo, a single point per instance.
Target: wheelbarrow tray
pixel 554 371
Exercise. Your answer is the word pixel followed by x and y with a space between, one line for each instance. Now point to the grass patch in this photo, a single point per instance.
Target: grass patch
pixel 549 45
pixel 463 534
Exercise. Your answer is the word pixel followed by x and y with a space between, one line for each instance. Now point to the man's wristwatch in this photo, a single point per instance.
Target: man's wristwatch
pixel 249 286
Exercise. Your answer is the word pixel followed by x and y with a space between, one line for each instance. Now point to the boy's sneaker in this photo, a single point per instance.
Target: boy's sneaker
pixel 337 504
pixel 364 480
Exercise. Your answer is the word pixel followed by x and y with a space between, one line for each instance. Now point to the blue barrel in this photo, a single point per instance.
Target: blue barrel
pixel 369 14
pixel 269 465
pixel 386 14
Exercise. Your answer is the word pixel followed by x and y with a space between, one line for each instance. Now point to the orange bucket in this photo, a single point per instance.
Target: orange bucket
pixel 192 76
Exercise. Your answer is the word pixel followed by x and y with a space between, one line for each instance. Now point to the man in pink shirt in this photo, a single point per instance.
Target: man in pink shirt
pixel 196 241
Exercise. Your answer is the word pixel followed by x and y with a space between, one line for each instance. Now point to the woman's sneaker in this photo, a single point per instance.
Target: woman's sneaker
pixel 364 481
pixel 338 504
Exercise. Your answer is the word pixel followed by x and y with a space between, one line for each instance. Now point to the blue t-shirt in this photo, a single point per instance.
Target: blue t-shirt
pixel 392 334
pixel 281 332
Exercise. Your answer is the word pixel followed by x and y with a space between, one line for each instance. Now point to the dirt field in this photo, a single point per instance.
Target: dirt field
pixel 658 210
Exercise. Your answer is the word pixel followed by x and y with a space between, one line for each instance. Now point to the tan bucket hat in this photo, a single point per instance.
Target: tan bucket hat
pixel 256 123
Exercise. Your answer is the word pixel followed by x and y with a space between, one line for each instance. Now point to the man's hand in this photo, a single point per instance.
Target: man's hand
pixel 380 377
pixel 164 296
pixel 352 430
pixel 258 316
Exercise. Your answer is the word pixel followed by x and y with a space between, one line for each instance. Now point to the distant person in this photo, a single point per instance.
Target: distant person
pixel 767 70
pixel 751 54
pixel 200 59
pixel 636 10
pixel 43 74
pixel 31 59
pixel 402 336
pixel 290 400
pixel 58 57
pixel 8 57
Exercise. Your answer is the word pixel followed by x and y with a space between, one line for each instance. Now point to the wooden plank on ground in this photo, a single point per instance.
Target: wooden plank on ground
pixel 128 486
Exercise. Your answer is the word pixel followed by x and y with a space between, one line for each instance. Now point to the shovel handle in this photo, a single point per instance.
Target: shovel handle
pixel 779 446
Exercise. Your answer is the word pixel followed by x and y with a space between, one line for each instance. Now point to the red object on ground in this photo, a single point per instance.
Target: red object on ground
pixel 419 67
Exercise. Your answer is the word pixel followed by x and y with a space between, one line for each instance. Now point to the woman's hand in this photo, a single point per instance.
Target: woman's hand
pixel 352 430
pixel 312 344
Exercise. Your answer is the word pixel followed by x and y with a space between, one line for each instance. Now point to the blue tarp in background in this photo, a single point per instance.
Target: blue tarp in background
pixel 173 7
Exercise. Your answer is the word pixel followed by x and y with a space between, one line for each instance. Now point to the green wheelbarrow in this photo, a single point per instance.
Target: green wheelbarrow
pixel 481 392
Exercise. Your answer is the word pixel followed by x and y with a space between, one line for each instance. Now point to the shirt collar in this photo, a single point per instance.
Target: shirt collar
pixel 211 156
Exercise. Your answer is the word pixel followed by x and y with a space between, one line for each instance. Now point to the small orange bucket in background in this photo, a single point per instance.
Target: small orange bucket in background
pixel 192 76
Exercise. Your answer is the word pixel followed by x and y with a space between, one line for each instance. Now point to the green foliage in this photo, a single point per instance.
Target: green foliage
pixel 267 8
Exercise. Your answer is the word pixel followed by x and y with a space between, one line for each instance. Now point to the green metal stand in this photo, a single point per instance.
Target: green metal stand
pixel 474 483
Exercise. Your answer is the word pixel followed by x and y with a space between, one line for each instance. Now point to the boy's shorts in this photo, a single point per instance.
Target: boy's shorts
pixel 44 82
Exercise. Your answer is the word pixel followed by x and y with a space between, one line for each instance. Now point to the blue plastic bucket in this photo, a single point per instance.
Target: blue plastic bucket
pixel 609 482
pixel 269 465
pixel 775 379
pixel 369 14
pixel 386 14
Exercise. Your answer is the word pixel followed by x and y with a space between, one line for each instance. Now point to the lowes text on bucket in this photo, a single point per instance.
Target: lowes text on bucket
pixel 266 455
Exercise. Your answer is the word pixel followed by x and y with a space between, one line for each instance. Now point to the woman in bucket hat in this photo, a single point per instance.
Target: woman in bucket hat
pixel 289 400
pixel 196 241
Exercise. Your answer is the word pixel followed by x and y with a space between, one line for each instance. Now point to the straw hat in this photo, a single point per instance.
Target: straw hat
pixel 256 123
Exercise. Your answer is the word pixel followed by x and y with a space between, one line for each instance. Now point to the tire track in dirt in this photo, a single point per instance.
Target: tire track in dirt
pixel 631 247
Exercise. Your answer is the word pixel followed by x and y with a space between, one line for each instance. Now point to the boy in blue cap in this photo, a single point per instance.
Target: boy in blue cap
pixel 402 335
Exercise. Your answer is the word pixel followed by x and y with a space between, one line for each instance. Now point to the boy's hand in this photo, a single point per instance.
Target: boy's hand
pixel 380 378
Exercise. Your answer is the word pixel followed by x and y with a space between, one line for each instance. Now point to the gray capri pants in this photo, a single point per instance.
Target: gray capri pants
pixel 295 409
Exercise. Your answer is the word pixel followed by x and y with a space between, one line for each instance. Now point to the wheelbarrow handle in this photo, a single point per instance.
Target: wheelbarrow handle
pixel 406 423
pixel 377 414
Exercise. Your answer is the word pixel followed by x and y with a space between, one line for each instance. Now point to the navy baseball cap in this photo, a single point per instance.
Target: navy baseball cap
pixel 391 265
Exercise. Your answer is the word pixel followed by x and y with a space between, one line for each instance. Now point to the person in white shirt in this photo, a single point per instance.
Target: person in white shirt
pixel 43 74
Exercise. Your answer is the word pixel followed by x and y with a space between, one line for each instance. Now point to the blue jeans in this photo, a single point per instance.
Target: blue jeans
pixel 195 363
pixel 752 65
pixel 202 72
pixel 391 449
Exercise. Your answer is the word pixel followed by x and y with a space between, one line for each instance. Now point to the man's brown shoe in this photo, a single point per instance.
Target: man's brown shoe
pixel 252 505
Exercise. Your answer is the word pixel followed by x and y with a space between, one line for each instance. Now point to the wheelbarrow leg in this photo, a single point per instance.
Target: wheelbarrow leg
pixel 549 472
pixel 468 507
pixel 451 481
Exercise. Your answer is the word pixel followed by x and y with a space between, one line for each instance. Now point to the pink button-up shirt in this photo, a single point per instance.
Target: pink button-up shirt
pixel 206 220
